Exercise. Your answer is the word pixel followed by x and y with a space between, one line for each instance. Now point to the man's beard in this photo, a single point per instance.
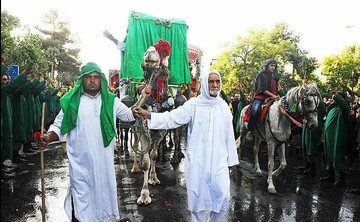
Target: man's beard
pixel 214 92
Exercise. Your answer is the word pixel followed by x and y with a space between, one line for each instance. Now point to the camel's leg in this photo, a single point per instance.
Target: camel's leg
pixel 117 141
pixel 183 129
pixel 153 180
pixel 271 147
pixel 121 140
pixel 177 152
pixel 125 141
pixel 281 153
pixel 171 143
pixel 256 156
pixel 118 129
pixel 161 151
pixel 145 193
pixel 156 137
pixel 135 168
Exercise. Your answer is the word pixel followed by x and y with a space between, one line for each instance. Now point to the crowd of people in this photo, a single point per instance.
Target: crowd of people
pixel 21 107
pixel 88 113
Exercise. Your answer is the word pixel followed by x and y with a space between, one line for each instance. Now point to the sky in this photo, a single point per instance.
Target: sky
pixel 325 27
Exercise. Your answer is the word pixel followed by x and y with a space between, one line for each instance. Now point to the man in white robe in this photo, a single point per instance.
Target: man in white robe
pixel 211 149
pixel 88 117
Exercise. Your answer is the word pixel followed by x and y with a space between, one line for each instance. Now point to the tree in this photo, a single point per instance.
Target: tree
pixel 58 47
pixel 28 54
pixel 343 70
pixel 239 63
pixel 8 24
pixel 25 51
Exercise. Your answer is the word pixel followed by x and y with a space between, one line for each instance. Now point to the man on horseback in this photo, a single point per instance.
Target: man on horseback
pixel 266 83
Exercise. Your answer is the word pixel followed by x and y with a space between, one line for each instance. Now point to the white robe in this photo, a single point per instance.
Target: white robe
pixel 91 165
pixel 210 150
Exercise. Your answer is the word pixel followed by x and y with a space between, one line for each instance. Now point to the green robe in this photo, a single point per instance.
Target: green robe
pixel 6 116
pixel 52 105
pixel 38 88
pixel 311 138
pixel 335 134
pixel 19 113
pixel 224 96
pixel 30 106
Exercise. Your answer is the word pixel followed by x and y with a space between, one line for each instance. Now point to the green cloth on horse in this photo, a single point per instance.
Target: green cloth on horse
pixel 70 104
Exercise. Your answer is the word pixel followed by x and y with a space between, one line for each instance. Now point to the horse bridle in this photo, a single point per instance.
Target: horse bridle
pixel 306 112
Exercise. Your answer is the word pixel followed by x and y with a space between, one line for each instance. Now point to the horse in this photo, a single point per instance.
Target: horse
pixel 275 129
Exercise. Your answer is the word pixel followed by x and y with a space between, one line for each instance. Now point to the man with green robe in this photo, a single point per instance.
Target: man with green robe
pixel 19 122
pixel 335 139
pixel 28 149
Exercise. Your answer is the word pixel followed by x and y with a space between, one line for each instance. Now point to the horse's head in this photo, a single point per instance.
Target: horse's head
pixel 309 100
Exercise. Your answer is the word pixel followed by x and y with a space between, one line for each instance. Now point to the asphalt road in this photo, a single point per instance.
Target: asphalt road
pixel 299 197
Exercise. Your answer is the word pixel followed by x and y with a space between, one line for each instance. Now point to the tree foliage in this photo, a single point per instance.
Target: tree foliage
pixel 8 24
pixel 239 63
pixel 25 51
pixel 342 71
pixel 28 54
pixel 49 51
pixel 63 59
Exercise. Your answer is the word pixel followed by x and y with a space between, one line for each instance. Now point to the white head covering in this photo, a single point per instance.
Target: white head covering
pixel 204 98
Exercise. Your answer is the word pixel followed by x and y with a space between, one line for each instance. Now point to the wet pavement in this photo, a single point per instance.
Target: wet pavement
pixel 299 197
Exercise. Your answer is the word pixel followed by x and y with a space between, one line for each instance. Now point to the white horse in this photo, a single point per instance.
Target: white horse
pixel 275 130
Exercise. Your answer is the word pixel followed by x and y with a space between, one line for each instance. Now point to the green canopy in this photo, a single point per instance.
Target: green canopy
pixel 144 31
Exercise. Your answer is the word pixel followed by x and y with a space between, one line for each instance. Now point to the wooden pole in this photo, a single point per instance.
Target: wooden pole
pixel 42 165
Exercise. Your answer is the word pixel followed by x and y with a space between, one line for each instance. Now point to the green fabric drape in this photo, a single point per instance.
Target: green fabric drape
pixel 144 31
